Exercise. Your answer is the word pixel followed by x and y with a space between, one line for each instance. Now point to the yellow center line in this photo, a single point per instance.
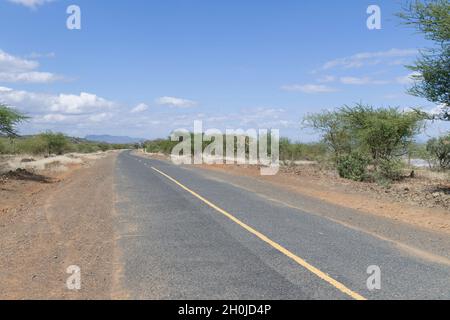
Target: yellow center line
pixel 273 244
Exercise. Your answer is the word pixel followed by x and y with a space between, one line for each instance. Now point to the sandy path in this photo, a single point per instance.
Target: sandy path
pixel 62 224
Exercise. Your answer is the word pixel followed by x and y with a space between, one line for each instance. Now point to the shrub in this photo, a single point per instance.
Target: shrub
pixel 439 150
pixel 104 147
pixel 2 147
pixel 334 131
pixel 362 135
pixel 57 143
pixel 353 166
pixel 35 145
pixel 384 133
pixel 391 170
pixel 87 148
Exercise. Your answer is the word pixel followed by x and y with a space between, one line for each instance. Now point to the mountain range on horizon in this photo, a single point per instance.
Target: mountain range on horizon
pixel 114 139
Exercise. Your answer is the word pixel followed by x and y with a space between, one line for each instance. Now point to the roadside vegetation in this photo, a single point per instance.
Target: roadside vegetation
pixel 47 143
pixel 367 143
pixel 432 68
pixel 290 151
pixel 361 142
pixel 371 144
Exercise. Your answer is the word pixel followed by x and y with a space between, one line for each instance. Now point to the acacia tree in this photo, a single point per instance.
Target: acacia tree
pixel 432 68
pixel 383 133
pixel 440 151
pixel 333 129
pixel 360 135
pixel 9 119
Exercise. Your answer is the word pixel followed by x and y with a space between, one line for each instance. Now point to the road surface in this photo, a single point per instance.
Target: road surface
pixel 183 234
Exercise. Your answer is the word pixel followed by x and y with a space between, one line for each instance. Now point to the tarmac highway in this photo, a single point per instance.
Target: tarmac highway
pixel 185 235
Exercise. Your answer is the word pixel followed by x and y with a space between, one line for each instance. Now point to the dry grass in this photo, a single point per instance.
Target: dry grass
pixel 39 163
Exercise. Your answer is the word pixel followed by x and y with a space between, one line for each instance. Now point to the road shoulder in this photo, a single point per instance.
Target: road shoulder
pixel 68 222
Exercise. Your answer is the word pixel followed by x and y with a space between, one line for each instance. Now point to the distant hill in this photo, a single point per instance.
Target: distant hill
pixel 113 139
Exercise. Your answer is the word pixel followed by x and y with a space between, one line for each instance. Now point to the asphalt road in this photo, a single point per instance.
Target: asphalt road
pixel 183 235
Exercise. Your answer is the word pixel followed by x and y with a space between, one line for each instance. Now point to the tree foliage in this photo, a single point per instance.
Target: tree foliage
pixel 361 135
pixel 384 133
pixel 9 119
pixel 432 68
pixel 439 148
pixel 333 129
pixel 57 143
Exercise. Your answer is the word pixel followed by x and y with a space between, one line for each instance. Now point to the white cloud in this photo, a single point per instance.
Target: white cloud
pixel 100 117
pixel 438 110
pixel 362 81
pixel 37 55
pixel 392 96
pixel 10 63
pixel 15 69
pixel 309 88
pixel 29 77
pixel 51 118
pixel 140 108
pixel 327 79
pixel 256 118
pixel 175 102
pixel 69 104
pixel 31 3
pixel 404 80
pixel 408 79
pixel 368 58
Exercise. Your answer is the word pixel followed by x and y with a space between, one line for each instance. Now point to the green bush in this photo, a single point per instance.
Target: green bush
pixel 439 150
pixel 104 146
pixel 391 170
pixel 353 166
pixel 87 148
pixel 57 143
pixel 2 148
pixel 35 146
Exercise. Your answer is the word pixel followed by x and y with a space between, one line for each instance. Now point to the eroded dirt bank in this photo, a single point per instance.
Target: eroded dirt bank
pixel 51 221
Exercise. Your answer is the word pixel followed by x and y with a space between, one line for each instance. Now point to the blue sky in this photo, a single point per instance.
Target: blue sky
pixel 143 68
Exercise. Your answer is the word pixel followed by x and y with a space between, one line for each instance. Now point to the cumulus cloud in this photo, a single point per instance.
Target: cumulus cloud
pixel 176 102
pixel 140 108
pixel 31 3
pixel 51 118
pixel 16 69
pixel 10 63
pixel 308 88
pixel 69 104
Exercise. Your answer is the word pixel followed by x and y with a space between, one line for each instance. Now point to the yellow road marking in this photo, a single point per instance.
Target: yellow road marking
pixel 275 245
